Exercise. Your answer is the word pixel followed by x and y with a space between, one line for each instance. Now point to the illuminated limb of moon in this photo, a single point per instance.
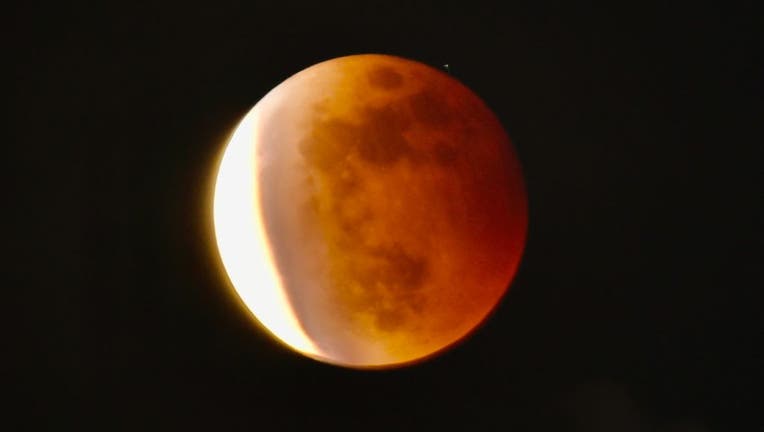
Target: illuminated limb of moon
pixel 243 244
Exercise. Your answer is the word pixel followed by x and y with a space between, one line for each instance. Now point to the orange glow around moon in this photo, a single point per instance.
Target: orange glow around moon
pixel 370 211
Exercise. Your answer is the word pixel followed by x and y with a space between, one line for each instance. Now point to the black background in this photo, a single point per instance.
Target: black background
pixel 636 306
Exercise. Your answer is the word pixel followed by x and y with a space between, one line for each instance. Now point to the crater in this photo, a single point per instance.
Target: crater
pixel 430 108
pixel 445 154
pixel 385 77
pixel 392 280
pixel 379 140
pixel 327 144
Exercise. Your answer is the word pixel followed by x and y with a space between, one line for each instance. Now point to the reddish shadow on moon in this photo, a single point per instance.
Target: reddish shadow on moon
pixel 393 204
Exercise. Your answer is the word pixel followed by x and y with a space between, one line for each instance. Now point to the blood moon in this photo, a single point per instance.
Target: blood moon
pixel 370 211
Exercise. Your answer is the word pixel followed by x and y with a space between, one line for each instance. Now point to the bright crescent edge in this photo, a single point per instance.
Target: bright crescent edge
pixel 243 242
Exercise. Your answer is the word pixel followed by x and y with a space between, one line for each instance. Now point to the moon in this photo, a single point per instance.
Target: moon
pixel 370 211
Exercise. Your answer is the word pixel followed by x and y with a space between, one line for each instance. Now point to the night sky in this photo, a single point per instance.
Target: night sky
pixel 637 303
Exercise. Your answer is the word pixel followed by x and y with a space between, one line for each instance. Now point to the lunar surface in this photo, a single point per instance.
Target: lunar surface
pixel 370 211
